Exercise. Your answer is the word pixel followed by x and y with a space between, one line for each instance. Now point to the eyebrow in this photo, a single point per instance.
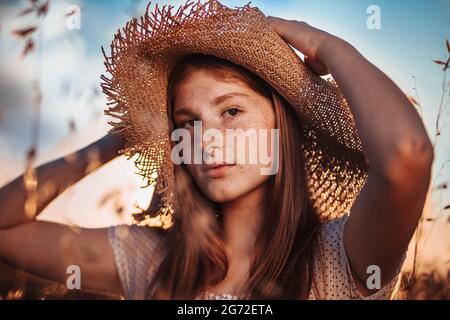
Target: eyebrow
pixel 216 101
pixel 222 98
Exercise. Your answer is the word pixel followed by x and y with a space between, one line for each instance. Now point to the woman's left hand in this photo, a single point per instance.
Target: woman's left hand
pixel 310 41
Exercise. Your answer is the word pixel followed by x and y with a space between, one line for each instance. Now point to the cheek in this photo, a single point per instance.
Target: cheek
pixel 263 115
pixel 256 119
pixel 268 117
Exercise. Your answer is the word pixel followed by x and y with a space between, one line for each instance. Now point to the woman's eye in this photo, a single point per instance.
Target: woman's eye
pixel 186 123
pixel 189 123
pixel 232 111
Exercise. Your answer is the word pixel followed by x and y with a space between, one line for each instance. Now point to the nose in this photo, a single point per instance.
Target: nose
pixel 211 140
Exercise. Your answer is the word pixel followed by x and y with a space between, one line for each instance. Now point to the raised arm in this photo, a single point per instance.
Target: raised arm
pixel 53 178
pixel 48 249
pixel 387 210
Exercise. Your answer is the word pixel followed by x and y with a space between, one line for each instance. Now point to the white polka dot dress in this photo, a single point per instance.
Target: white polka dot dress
pixel 332 275
pixel 138 254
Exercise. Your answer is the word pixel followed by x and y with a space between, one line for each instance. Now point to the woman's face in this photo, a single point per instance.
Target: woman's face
pixel 223 105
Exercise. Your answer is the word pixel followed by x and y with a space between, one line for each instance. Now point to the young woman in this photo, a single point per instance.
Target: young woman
pixel 238 233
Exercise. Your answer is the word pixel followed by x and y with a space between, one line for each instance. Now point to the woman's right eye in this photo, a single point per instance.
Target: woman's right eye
pixel 188 123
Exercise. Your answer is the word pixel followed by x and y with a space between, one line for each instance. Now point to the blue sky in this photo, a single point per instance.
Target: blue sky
pixel 412 33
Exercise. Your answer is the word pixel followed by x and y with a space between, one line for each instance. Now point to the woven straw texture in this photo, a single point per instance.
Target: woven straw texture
pixel 144 52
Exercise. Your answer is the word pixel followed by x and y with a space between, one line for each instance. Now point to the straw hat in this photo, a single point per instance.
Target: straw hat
pixel 144 52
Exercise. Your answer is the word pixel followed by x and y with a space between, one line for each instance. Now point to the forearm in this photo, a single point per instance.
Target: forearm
pixel 53 178
pixel 388 124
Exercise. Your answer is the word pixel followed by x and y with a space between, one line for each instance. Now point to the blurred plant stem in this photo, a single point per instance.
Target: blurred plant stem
pixel 442 105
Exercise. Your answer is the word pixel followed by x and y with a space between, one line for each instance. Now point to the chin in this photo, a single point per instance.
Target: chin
pixel 226 191
pixel 222 194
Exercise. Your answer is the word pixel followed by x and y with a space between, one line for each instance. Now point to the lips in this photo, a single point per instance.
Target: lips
pixel 217 170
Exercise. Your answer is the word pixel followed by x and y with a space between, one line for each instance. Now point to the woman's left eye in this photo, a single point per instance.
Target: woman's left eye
pixel 232 111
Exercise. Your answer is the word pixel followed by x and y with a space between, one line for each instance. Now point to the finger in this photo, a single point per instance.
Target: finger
pixel 316 66
pixel 278 24
pixel 287 28
pixel 297 33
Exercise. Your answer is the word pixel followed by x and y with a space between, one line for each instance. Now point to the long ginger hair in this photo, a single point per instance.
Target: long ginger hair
pixel 282 263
